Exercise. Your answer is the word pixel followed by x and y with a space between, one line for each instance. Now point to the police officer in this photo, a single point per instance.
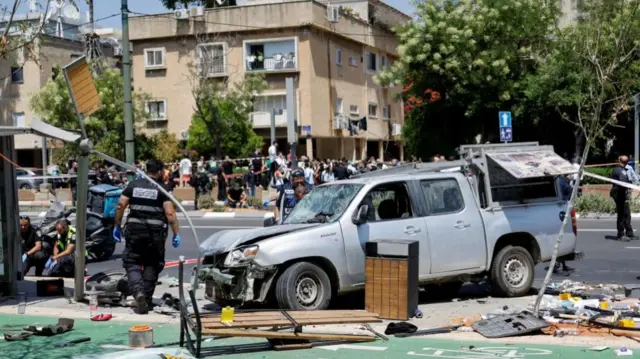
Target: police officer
pixel 145 233
pixel 63 261
pixel 34 253
pixel 287 196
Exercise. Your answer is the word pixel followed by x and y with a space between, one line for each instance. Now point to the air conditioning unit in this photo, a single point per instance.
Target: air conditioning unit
pixel 181 14
pixel 197 11
pixel 396 129
pixel 184 135
pixel 340 122
pixel 333 13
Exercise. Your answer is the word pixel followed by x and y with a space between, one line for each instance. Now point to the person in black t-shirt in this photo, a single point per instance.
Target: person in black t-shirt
pixel 222 184
pixel 34 253
pixel 145 232
pixel 236 197
pixel 227 166
pixel 341 171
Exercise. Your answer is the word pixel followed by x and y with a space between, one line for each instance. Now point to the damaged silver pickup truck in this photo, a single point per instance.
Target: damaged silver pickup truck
pixel 493 214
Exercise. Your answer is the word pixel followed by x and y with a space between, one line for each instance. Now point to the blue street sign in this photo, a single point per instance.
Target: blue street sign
pixel 506 134
pixel 306 128
pixel 504 118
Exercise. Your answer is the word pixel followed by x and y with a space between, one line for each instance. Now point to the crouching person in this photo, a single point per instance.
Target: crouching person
pixel 63 261
pixel 33 252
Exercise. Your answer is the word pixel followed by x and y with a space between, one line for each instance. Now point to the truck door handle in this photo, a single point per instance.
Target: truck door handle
pixel 462 225
pixel 411 230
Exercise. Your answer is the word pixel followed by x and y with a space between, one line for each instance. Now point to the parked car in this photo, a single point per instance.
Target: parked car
pixel 24 178
pixel 474 219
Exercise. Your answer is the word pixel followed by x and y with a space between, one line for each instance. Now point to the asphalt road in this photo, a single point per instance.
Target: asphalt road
pixel 605 261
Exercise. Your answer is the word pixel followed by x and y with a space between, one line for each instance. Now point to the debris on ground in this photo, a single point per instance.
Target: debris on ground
pixel 170 281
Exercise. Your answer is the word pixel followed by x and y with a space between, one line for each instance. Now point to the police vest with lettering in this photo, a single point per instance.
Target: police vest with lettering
pixel 289 200
pixel 145 204
pixel 63 243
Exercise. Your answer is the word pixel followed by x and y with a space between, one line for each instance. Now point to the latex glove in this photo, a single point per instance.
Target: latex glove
pixel 117 235
pixel 176 241
pixel 24 258
pixel 49 264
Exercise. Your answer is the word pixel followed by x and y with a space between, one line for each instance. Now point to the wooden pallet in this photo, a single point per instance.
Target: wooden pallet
pixel 278 319
pixel 267 334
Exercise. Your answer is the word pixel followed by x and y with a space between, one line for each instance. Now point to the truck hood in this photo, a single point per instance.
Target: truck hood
pixel 225 241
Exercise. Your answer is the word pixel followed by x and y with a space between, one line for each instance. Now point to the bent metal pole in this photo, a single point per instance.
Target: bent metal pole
pixel 173 199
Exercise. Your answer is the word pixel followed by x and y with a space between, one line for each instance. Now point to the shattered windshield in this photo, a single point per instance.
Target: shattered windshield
pixel 324 204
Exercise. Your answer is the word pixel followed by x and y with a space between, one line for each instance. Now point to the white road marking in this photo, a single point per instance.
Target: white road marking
pixel 597 230
pixel 219 215
pixel 351 346
pixel 632 247
pixel 220 227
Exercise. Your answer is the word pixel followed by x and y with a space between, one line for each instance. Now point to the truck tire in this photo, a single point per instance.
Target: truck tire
pixel 303 286
pixel 512 272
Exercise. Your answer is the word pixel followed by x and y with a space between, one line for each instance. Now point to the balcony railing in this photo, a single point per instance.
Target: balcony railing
pixel 271 63
pixel 263 119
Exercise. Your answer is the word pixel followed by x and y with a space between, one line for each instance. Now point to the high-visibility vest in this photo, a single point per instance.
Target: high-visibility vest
pixel 62 243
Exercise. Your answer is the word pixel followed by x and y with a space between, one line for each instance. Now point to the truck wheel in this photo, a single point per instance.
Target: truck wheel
pixel 512 272
pixel 303 286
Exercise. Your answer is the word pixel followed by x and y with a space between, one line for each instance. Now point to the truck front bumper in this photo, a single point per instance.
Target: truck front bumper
pixel 246 284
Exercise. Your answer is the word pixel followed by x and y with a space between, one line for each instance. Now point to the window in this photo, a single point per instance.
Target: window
pixel 157 109
pixel 212 59
pixel 270 103
pixel 383 61
pixel 339 57
pixel 442 196
pixel 354 110
pixel 353 61
pixel 154 57
pixel 17 75
pixel 373 110
pixel 339 106
pixel 386 112
pixel 372 64
pixel 18 119
pixel 389 201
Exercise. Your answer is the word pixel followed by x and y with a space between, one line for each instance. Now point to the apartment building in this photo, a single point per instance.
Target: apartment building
pixel 332 52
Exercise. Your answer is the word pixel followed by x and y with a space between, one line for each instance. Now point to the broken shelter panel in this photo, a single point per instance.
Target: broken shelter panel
pixel 532 164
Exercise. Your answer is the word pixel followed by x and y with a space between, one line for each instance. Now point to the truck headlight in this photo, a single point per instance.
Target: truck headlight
pixel 240 256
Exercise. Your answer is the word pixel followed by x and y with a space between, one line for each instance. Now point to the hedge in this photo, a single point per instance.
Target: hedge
pixel 600 171
pixel 598 203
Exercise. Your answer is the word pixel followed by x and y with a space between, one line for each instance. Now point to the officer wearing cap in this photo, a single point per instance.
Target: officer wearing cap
pixel 145 232
pixel 287 195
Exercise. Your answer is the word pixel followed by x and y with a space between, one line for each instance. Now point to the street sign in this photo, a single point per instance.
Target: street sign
pixel 306 128
pixel 504 123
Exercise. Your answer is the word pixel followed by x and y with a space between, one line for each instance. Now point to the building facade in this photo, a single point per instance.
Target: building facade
pixel 331 51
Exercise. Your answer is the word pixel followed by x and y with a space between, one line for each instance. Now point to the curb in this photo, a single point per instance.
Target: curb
pixel 602 215
pixel 227 215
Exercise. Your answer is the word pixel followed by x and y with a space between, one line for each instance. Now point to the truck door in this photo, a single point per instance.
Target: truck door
pixel 456 231
pixel 392 216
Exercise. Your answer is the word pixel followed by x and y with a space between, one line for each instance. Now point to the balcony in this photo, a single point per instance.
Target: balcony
pixel 262 119
pixel 271 55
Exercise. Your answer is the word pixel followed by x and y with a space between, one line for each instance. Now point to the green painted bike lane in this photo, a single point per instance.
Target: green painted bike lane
pixel 111 336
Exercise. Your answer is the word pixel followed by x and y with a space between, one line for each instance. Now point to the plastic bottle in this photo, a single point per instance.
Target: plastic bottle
pixel 566 332
pixel 93 302
pixel 227 314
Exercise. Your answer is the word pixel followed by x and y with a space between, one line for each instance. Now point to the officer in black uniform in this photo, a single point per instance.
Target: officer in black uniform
pixel 287 195
pixel 34 252
pixel 145 232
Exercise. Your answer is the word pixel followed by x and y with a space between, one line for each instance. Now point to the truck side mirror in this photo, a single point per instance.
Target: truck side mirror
pixel 362 215
pixel 271 221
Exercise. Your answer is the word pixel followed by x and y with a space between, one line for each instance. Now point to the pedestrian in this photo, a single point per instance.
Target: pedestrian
pixel 73 182
pixel 273 154
pixel 185 171
pixel 309 174
pixel 236 197
pixel 256 166
pixel 201 185
pixel 286 197
pixel 250 182
pixel 63 261
pixel 34 253
pixel 227 167
pixel 150 213
pixel 622 196
pixel 222 184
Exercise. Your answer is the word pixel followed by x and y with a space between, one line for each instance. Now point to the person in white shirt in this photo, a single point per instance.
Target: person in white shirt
pixel 185 171
pixel 308 174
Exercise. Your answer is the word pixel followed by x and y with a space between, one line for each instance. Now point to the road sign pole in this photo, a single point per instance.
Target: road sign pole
pixel 126 76
pixel 81 218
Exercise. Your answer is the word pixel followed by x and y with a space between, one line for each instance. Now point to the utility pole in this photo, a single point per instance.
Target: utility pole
pixel 636 138
pixel 273 126
pixel 126 74
pixel 44 160
pixel 291 121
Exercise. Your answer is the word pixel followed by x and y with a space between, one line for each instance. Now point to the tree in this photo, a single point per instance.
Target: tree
pixel 166 146
pixel 106 126
pixel 597 61
pixel 176 4
pixel 473 56
pixel 221 114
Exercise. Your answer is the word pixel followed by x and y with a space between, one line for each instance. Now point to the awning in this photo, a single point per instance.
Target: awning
pixel 10 131
pixel 533 164
pixel 41 129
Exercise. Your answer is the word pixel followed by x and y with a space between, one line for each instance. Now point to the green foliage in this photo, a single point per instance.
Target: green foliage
pixel 597 203
pixel 175 4
pixel 106 126
pixel 600 171
pixel 205 201
pixel 254 202
pixel 474 54
pixel 166 146
pixel 221 120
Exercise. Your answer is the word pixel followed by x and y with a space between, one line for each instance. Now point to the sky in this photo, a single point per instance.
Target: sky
pixel 104 8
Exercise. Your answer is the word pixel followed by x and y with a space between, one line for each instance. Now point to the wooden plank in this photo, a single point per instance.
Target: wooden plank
pixel 284 347
pixel 403 300
pixel 377 271
pixel 369 285
pixel 386 288
pixel 296 314
pixel 284 323
pixel 395 287
pixel 286 335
